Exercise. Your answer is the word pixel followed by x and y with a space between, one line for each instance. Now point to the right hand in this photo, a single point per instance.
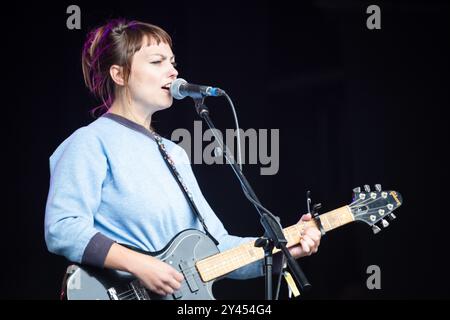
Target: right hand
pixel 157 275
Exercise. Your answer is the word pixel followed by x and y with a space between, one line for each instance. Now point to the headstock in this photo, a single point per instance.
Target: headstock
pixel 375 207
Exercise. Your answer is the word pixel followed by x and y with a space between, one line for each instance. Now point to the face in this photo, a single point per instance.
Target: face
pixel 152 72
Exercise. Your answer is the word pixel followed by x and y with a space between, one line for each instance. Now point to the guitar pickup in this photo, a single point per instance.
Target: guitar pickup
pixel 189 276
pixel 177 295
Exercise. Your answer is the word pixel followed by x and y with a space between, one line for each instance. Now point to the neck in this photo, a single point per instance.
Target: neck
pixel 132 111
pixel 218 265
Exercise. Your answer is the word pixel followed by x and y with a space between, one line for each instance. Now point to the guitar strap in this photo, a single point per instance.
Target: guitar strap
pixel 170 164
pixel 183 187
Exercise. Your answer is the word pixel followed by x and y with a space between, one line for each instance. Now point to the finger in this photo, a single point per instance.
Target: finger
pixel 305 246
pixel 166 289
pixel 313 234
pixel 158 290
pixel 310 242
pixel 296 251
pixel 317 246
pixel 306 217
pixel 174 284
pixel 317 232
pixel 178 275
pixel 153 287
pixel 173 272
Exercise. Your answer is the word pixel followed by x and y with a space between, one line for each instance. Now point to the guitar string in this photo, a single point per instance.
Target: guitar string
pixel 159 142
pixel 126 295
pixel 131 293
pixel 353 204
pixel 363 202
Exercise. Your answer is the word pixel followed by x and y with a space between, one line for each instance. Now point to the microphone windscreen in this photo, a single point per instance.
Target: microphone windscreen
pixel 175 88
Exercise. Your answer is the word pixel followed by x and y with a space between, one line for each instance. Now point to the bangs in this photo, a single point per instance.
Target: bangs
pixel 142 34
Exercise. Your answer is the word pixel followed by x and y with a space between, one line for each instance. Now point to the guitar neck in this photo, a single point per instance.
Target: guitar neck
pixel 225 262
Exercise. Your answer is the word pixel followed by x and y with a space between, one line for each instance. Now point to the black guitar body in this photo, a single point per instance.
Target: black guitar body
pixel 182 252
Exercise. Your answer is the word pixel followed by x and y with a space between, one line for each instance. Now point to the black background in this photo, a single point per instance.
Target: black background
pixel 354 106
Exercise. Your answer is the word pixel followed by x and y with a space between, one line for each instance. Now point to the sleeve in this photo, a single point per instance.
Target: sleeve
pixel 78 169
pixel 216 228
pixel 227 241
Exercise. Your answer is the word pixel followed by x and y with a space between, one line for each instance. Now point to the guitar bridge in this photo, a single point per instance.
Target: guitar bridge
pixel 186 269
pixel 139 290
pixel 112 293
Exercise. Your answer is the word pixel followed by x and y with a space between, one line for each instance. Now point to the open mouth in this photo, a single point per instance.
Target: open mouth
pixel 166 87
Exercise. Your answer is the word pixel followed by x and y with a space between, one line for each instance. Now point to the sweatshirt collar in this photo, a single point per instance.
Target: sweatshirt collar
pixel 128 123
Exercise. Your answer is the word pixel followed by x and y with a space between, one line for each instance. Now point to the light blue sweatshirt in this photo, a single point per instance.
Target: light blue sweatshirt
pixel 109 183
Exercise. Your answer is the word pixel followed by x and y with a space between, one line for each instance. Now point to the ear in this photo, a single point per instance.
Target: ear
pixel 116 73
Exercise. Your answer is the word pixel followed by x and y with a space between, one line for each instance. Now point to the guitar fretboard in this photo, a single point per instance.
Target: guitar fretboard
pixel 223 263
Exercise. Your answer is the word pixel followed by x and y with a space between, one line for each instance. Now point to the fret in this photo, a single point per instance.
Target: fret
pixel 336 218
pixel 232 259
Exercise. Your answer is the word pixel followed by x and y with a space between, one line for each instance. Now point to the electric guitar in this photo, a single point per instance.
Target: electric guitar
pixel 196 256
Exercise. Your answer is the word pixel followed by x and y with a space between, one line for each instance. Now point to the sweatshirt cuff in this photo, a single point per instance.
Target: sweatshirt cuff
pixel 97 250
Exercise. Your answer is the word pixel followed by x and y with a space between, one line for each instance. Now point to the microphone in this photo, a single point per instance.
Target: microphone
pixel 180 89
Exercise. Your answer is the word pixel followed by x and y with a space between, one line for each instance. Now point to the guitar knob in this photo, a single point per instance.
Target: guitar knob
pixel 355 192
pixel 367 188
pixel 385 223
pixel 378 187
pixel 375 229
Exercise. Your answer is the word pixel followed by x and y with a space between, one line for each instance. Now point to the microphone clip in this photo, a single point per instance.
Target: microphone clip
pixel 200 107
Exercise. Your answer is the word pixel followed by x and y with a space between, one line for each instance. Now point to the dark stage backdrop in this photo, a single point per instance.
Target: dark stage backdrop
pixel 353 106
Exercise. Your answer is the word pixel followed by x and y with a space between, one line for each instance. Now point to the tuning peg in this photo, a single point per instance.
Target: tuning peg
pixel 375 229
pixel 367 188
pixel 378 187
pixel 391 216
pixel 355 192
pixel 385 223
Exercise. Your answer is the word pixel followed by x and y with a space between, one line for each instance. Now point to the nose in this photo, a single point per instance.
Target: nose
pixel 173 73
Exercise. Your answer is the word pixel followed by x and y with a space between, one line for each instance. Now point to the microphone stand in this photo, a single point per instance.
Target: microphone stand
pixel 273 236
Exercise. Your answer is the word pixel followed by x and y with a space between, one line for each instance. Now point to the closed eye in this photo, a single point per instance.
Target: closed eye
pixel 174 64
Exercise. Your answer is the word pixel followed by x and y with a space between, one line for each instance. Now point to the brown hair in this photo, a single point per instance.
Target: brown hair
pixel 114 43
